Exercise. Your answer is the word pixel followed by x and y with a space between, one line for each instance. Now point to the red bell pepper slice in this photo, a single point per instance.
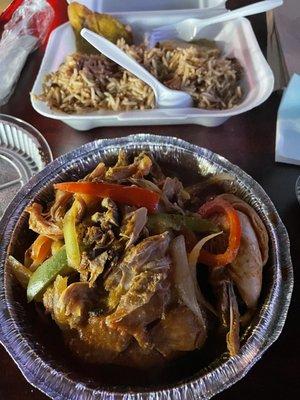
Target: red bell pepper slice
pixel 218 206
pixel 131 195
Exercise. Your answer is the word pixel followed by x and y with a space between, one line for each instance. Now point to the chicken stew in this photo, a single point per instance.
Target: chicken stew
pixel 116 257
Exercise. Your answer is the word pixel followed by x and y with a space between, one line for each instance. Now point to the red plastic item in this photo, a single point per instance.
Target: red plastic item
pixel 10 9
pixel 59 6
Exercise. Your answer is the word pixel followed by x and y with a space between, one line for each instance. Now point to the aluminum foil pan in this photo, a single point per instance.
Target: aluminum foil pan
pixel 41 356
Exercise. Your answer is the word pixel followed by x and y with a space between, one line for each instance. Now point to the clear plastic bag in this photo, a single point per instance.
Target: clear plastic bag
pixel 26 30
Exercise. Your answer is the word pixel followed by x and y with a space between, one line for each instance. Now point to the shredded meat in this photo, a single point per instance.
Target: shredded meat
pixel 69 305
pixel 98 239
pixel 58 209
pixel 144 183
pixel 97 267
pixel 90 270
pixel 39 224
pixel 81 207
pixel 75 302
pixel 151 248
pixel 173 195
pixel 136 260
pixel 98 173
pixel 133 224
pixel 111 216
pixel 144 303
pixel 140 167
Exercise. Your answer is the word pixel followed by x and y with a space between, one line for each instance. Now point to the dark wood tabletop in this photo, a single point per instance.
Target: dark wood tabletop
pixel 247 140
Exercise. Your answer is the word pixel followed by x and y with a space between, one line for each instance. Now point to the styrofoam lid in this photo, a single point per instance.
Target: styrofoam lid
pixel 120 6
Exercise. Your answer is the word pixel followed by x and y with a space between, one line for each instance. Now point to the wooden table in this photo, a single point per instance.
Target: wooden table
pixel 247 140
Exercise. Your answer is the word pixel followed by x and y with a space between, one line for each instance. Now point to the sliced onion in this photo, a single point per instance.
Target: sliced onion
pixel 193 260
pixel 183 278
pixel 194 254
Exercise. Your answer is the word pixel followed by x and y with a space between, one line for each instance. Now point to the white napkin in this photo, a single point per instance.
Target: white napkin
pixel 288 124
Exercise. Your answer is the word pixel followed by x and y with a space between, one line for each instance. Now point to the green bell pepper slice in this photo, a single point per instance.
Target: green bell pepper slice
pixel 71 236
pixel 21 273
pixel 161 222
pixel 47 272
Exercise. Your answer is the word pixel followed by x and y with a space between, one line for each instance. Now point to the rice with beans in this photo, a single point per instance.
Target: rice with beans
pixel 93 82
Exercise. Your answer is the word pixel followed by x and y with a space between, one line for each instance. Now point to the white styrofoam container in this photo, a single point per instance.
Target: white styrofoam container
pixel 235 38
pixel 161 7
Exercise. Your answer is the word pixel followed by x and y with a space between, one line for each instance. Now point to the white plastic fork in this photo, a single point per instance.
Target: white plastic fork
pixel 165 98
pixel 190 28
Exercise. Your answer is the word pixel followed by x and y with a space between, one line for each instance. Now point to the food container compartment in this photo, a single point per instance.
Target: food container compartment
pixel 235 38
pixel 197 7
pixel 41 356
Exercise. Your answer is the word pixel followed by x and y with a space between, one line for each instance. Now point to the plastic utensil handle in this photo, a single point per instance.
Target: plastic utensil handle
pixel 113 52
pixel 252 9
